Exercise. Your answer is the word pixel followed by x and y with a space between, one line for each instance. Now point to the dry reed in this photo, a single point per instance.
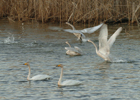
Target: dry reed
pixel 85 11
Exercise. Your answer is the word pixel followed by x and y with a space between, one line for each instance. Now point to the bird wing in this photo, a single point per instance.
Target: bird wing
pixel 91 29
pixel 74 31
pixel 76 34
pixel 77 48
pixel 103 45
pixel 71 49
pixel 40 77
pixel 71 82
pixel 113 37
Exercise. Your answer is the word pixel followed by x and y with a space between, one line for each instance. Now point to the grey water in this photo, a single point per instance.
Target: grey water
pixel 43 48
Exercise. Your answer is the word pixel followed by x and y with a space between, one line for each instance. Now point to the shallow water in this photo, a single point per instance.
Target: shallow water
pixel 44 49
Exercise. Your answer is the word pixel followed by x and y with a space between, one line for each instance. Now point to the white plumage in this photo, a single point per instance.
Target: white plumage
pixel 73 51
pixel 67 82
pixel 37 77
pixel 79 33
pixel 70 82
pixel 40 77
pixel 104 44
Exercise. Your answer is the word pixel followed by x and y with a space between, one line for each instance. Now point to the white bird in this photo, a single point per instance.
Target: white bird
pixel 67 82
pixel 37 77
pixel 76 51
pixel 104 44
pixel 79 33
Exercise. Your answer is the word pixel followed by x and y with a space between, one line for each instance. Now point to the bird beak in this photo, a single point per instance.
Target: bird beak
pixel 88 40
pixel 25 64
pixel 58 65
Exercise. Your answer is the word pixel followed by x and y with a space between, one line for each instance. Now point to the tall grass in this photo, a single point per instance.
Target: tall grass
pixel 85 11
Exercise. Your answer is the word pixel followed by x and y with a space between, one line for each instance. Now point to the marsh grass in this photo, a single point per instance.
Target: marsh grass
pixel 85 11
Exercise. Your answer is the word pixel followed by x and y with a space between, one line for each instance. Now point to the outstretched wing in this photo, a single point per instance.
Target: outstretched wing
pixel 114 36
pixel 74 31
pixel 86 30
pixel 103 45
pixel 91 29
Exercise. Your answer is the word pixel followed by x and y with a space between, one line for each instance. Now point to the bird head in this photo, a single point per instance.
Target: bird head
pixel 26 63
pixel 60 65
pixel 89 40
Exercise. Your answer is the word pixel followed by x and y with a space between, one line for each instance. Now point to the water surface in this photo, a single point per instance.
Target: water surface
pixel 44 49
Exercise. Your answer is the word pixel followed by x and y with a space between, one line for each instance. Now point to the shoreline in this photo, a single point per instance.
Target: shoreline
pixel 60 11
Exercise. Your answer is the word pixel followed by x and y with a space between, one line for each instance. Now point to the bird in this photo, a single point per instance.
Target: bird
pixel 104 44
pixel 76 51
pixel 67 82
pixel 79 33
pixel 37 77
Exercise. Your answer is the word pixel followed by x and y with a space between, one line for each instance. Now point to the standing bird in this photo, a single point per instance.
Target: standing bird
pixel 104 44
pixel 37 77
pixel 79 33
pixel 67 82
pixel 76 51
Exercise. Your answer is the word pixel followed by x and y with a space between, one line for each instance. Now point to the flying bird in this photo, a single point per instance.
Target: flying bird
pixel 104 44
pixel 79 33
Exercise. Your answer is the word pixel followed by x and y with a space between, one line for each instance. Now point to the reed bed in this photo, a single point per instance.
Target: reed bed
pixel 85 11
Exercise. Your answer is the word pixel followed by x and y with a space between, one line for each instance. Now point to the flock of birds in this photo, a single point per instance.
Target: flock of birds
pixel 46 77
pixel 105 45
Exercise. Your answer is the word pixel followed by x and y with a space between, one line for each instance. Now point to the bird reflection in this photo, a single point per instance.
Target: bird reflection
pixel 29 84
pixel 103 67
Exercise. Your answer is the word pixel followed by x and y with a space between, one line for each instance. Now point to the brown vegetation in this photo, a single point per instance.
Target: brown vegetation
pixel 85 11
